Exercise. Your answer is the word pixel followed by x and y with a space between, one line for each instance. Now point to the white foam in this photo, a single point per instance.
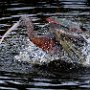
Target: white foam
pixel 35 55
pixel 86 52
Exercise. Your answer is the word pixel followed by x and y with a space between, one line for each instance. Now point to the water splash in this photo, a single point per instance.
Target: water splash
pixel 24 49
pixel 35 55
pixel 28 52
pixel 86 53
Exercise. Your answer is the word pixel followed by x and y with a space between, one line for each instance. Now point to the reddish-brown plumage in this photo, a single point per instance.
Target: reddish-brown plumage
pixel 47 44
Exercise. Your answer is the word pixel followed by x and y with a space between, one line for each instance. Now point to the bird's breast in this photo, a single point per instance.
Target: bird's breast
pixel 45 43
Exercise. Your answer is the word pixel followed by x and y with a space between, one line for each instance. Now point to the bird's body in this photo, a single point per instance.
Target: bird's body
pixel 46 42
pixel 43 42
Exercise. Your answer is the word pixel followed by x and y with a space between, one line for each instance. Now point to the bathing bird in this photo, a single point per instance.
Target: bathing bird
pixel 47 41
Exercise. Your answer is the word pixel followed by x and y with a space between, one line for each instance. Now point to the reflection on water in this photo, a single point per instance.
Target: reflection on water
pixel 20 75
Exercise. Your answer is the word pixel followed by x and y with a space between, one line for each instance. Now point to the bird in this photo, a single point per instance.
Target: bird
pixel 46 41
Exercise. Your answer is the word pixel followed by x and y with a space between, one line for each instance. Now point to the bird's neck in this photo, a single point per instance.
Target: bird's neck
pixel 30 30
pixel 27 22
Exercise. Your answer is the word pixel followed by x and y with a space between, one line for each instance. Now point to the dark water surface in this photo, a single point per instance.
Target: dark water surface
pixel 21 76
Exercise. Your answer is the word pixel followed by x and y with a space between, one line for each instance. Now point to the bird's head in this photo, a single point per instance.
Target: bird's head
pixel 52 20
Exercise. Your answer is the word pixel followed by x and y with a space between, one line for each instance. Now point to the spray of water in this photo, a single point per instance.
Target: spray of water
pixel 35 55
